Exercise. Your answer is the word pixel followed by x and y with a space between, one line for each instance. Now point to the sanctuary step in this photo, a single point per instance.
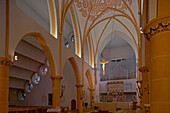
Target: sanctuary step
pixel 126 111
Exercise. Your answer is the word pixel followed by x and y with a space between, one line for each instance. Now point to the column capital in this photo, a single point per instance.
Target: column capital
pixel 144 69
pixel 79 85
pixel 60 33
pixel 91 89
pixel 156 26
pixel 56 77
pixel 5 62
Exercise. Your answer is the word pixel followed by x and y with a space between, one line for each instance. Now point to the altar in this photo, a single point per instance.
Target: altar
pixel 117 90
pixel 113 106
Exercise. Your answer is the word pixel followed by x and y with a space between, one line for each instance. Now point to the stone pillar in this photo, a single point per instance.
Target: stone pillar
pixel 56 90
pixel 145 86
pixel 92 95
pixel 79 98
pixel 158 32
pixel 4 84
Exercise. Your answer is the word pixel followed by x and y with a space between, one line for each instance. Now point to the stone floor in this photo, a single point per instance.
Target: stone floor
pixel 126 111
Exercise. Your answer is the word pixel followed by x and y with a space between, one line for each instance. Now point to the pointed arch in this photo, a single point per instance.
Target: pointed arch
pixel 89 41
pixel 53 17
pixel 77 33
pixel 75 68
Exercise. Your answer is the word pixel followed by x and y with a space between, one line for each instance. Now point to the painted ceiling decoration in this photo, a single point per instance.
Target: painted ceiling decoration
pixel 84 6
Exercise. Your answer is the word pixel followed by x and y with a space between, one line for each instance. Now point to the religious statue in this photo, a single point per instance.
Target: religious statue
pixel 103 62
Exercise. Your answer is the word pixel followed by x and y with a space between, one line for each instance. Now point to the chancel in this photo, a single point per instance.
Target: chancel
pixel 82 56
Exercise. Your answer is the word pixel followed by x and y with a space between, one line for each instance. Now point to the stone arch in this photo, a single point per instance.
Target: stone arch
pixel 45 47
pixel 76 28
pixel 53 15
pixel 75 68
pixel 125 37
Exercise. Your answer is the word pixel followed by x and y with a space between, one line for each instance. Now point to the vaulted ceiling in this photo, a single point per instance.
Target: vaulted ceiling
pixel 95 20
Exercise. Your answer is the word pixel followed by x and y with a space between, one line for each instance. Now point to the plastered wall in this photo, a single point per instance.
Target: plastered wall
pixel 69 81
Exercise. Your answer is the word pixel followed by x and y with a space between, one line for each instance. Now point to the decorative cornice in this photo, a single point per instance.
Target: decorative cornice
pixel 144 69
pixel 79 85
pixel 56 77
pixel 156 26
pixel 5 62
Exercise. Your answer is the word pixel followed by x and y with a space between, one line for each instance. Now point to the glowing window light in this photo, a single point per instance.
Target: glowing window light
pixel 21 95
pixel 73 38
pixel 28 87
pixel 44 70
pixel 16 57
pixel 67 44
pixel 36 78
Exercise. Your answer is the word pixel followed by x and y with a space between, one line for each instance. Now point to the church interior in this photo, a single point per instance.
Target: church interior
pixel 84 56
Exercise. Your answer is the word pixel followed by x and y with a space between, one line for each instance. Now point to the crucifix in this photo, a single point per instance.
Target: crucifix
pixel 104 62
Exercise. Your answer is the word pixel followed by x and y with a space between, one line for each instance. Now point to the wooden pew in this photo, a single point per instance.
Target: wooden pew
pixel 22 109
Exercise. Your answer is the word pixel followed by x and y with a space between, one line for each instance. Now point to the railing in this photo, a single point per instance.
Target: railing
pixel 106 77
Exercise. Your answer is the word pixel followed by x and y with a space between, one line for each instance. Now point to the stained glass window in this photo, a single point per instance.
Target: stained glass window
pixel 21 95
pixel 67 44
pixel 28 87
pixel 73 38
pixel 44 70
pixel 36 78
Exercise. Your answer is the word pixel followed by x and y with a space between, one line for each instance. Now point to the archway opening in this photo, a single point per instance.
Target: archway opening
pixel 118 83
pixel 88 90
pixel 69 81
pixel 30 84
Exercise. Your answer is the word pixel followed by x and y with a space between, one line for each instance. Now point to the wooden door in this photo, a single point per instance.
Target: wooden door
pixel 73 104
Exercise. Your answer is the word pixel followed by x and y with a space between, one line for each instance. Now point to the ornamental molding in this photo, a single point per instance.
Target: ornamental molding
pixel 97 6
pixel 157 28
pixel 5 62
pixel 79 86
pixel 144 69
pixel 56 77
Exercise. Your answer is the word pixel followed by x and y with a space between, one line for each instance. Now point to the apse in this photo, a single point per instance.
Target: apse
pixel 117 71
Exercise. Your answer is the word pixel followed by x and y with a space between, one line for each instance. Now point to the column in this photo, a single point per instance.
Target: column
pixel 145 86
pixel 92 91
pixel 158 32
pixel 79 98
pixel 4 84
pixel 56 91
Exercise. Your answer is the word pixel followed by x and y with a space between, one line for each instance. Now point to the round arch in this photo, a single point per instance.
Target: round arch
pixel 45 47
